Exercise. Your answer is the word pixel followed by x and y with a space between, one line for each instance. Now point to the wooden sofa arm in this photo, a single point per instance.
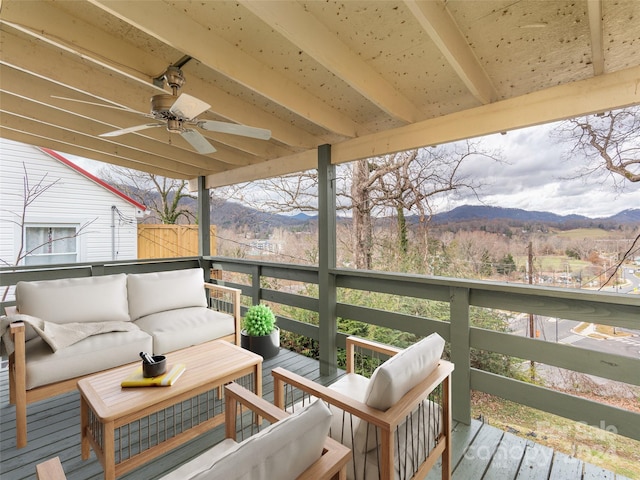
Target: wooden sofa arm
pixel 388 419
pixel 334 456
pixel 50 470
pixel 234 293
pixel 282 376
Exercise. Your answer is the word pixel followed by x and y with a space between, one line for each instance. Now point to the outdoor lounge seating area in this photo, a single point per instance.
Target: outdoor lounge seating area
pixel 479 451
pixel 65 329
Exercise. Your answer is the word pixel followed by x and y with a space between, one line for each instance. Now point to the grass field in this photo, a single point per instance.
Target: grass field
pixel 582 233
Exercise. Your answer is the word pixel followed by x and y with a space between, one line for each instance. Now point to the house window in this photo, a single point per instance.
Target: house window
pixel 49 244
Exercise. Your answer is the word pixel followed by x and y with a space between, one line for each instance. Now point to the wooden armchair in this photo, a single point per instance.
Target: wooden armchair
pixel 285 444
pixel 398 423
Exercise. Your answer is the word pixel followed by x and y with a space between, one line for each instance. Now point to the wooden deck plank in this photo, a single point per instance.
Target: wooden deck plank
pixel 564 466
pixel 479 454
pixel 536 463
pixel 591 472
pixel 506 461
pixel 461 437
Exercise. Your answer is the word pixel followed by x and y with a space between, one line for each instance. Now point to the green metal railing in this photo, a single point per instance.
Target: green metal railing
pixel 612 309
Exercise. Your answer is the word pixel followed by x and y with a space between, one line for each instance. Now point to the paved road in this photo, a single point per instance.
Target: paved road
pixel 553 330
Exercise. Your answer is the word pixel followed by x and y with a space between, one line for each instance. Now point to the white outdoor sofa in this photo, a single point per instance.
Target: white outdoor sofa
pixel 63 330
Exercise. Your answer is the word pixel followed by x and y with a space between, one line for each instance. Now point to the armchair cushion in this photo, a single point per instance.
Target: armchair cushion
pixel 281 451
pixel 395 377
pixel 160 291
pixel 70 300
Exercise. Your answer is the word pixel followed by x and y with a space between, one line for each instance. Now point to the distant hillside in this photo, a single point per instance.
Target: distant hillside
pixel 230 213
pixel 482 212
pixel 626 216
pixel 233 215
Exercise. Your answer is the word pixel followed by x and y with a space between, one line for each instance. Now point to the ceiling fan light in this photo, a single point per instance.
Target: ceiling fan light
pixel 174 125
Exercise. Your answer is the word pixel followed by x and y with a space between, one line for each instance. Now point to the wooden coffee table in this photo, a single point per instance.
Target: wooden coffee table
pixel 127 427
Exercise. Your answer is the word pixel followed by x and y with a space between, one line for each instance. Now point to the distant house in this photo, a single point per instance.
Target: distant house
pixel 79 218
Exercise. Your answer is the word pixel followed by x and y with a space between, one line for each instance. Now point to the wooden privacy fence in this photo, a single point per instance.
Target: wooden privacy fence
pixel 169 241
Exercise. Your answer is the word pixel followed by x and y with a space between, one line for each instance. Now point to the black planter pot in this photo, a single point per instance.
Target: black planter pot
pixel 267 346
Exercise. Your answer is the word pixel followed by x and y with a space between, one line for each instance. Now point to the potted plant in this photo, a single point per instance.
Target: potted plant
pixel 259 332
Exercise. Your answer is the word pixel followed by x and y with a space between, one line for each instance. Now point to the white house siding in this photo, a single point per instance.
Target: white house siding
pixel 75 200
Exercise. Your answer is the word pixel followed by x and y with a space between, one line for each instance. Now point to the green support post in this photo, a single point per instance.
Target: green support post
pixel 327 261
pixel 460 355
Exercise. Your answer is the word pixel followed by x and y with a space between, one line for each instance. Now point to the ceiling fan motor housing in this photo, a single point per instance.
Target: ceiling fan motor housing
pixel 161 105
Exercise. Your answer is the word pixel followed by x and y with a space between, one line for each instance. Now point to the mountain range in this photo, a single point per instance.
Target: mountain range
pixel 228 214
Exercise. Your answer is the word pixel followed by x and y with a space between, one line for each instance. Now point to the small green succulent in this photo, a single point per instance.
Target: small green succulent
pixel 259 321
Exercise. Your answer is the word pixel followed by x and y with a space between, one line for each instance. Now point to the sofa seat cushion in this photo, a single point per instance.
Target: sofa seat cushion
pixel 281 451
pixel 176 329
pixel 160 291
pixel 69 300
pixel 93 354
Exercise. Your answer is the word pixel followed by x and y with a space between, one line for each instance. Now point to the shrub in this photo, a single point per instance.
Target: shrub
pixel 259 321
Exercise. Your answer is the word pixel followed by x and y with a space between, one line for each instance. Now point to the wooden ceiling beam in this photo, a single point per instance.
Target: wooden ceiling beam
pixel 51 25
pixel 597 94
pixel 170 25
pixel 302 29
pixel 41 59
pixel 17 122
pixel 596 30
pixel 437 22
pixel 73 149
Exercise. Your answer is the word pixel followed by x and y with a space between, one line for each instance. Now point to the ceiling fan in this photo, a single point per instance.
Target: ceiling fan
pixel 179 115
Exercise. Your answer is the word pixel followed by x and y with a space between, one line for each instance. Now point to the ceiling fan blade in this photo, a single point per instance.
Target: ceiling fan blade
pixel 197 141
pixel 137 128
pixel 188 107
pixel 235 129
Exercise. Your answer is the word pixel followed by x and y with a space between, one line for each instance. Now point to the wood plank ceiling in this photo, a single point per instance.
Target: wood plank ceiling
pixel 367 77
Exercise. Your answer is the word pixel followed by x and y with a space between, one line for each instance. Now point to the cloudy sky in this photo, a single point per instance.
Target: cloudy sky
pixel 535 176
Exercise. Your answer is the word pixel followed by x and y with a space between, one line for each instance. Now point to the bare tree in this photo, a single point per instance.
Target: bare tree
pixel 162 195
pixel 609 142
pixel 392 185
pixel 30 193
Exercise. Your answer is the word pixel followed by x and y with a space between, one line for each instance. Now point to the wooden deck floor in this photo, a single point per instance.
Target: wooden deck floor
pixel 480 452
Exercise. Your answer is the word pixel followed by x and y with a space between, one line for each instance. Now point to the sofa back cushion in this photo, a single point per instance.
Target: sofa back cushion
pixel 281 451
pixel 161 291
pixel 87 299
pixel 394 378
